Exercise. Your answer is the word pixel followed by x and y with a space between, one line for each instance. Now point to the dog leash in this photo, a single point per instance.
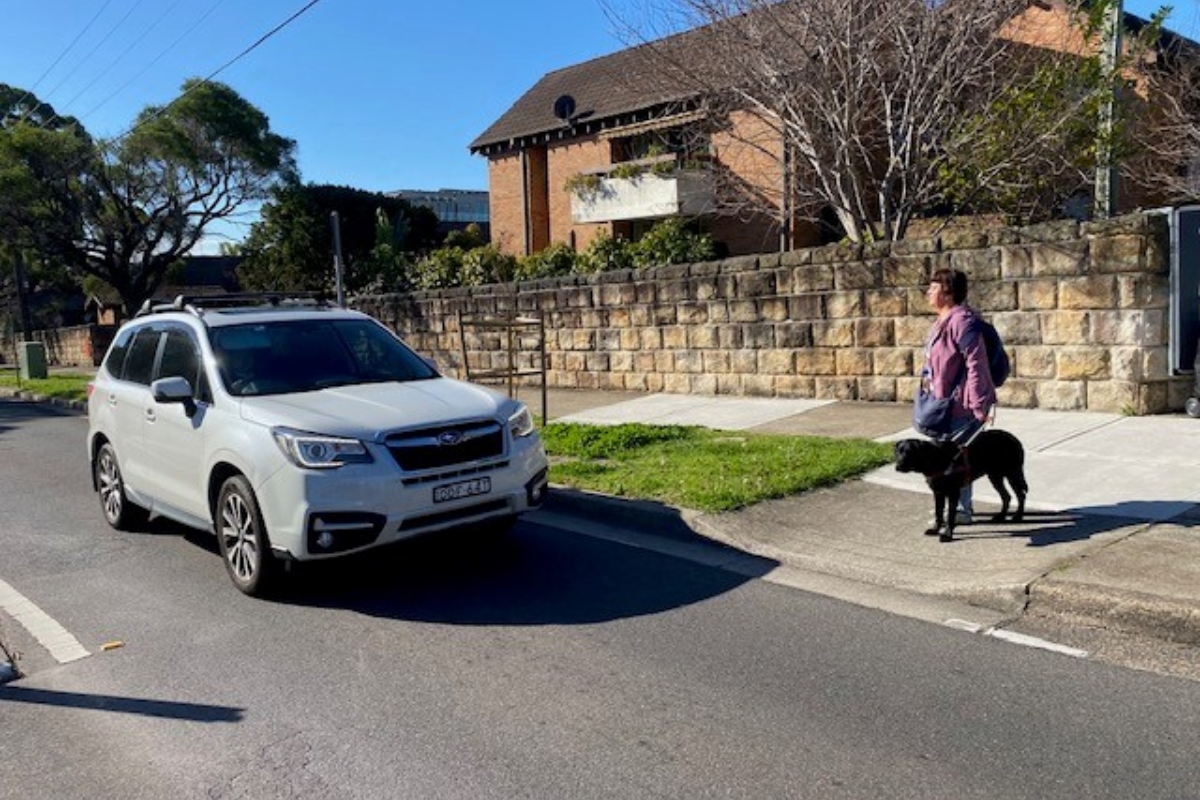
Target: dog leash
pixel 988 420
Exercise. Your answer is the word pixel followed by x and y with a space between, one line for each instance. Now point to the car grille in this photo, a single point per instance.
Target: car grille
pixel 453 515
pixel 447 445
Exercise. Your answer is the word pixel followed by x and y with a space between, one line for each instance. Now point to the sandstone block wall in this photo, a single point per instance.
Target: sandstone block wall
pixel 80 346
pixel 1082 309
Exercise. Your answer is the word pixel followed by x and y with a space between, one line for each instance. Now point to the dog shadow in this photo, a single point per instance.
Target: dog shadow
pixel 1048 528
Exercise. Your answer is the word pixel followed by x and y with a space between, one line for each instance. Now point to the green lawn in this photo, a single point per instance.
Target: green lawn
pixel 64 385
pixel 700 468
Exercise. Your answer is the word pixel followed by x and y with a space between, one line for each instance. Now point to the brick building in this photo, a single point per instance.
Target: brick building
pixel 610 146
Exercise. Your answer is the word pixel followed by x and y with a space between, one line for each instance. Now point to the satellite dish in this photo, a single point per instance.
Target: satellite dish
pixel 564 107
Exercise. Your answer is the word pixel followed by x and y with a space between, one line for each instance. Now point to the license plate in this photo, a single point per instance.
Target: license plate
pixel 457 491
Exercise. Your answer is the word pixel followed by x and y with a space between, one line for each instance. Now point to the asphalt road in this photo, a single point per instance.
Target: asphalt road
pixel 552 666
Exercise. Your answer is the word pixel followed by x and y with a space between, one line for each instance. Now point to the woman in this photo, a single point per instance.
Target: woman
pixel 956 365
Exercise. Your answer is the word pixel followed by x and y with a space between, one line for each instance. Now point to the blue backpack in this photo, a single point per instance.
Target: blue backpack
pixel 997 357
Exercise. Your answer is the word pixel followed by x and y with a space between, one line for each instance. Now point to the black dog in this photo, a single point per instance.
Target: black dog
pixel 948 468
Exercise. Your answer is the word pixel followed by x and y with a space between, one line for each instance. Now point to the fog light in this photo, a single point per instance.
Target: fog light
pixel 325 540
pixel 535 490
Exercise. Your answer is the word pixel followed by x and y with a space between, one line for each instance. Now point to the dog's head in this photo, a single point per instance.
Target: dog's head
pixel 918 455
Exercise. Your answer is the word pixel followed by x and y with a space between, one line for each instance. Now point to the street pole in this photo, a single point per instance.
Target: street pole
pixel 337 256
pixel 1106 170
pixel 22 296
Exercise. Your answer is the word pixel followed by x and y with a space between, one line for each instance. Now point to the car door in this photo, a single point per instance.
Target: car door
pixel 128 397
pixel 173 435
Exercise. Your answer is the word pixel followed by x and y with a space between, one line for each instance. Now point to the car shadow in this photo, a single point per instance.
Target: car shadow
pixel 15 410
pixel 535 575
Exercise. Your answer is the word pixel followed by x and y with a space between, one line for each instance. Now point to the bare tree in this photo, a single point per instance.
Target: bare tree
pixel 1162 161
pixel 881 110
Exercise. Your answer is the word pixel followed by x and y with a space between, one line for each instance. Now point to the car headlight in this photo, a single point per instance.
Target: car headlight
pixel 520 424
pixel 319 452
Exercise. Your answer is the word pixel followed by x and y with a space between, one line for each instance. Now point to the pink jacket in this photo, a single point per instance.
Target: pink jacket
pixel 955 345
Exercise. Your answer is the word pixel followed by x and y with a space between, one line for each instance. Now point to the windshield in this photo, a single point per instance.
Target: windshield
pixel 306 355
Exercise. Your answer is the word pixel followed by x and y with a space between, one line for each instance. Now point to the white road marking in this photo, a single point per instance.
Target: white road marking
pixel 54 637
pixel 963 625
pixel 1033 641
pixel 1014 638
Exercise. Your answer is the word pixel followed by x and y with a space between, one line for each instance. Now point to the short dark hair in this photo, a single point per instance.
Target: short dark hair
pixel 953 281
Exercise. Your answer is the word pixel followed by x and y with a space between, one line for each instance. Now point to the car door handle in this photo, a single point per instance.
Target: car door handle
pixel 112 399
pixel 150 415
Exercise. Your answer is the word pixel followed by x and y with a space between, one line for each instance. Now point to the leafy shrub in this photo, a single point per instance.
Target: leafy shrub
pixel 468 238
pixel 607 253
pixel 486 264
pixel 671 242
pixel 555 260
pixel 441 269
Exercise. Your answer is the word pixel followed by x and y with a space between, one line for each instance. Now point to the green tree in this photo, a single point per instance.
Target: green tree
pixel 291 246
pixel 126 210
pixel 42 163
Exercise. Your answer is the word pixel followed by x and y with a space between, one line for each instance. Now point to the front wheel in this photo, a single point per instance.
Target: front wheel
pixel 242 538
pixel 119 511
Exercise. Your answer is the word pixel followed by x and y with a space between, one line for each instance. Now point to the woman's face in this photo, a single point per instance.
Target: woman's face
pixel 938 297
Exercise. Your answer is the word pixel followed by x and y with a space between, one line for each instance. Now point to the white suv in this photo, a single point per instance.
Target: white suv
pixel 296 430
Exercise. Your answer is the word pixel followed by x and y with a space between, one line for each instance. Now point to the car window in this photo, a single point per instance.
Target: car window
pixel 114 362
pixel 307 355
pixel 181 358
pixel 139 364
pixel 379 356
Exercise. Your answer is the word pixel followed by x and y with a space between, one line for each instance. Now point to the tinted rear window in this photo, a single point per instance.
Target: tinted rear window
pixel 139 364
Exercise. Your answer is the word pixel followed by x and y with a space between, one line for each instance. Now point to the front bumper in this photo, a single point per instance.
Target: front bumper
pixel 312 514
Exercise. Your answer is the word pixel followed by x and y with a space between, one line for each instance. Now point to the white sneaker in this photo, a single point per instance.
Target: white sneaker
pixel 963 517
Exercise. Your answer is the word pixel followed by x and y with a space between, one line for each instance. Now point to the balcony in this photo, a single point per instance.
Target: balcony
pixel 644 189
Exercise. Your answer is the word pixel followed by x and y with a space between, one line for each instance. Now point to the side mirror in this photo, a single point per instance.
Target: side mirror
pixel 174 390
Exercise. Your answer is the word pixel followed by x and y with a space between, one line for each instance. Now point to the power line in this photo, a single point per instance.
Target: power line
pixel 101 73
pixel 155 60
pixel 222 68
pixel 67 49
pixel 261 39
pixel 94 49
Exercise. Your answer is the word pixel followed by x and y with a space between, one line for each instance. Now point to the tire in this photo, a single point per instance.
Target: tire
pixel 242 539
pixel 119 511
pixel 1193 407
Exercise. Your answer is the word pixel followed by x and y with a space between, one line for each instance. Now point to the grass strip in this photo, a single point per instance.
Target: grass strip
pixel 63 385
pixel 699 468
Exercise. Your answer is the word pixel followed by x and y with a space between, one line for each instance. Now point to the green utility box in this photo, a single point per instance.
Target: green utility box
pixel 33 360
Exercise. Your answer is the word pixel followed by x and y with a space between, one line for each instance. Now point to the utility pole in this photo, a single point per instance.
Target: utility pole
pixel 337 257
pixel 1106 170
pixel 22 295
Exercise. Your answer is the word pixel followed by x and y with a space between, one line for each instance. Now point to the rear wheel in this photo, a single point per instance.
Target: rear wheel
pixel 119 511
pixel 242 539
pixel 1193 407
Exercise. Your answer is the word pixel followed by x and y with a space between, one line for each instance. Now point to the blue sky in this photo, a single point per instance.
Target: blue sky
pixel 378 94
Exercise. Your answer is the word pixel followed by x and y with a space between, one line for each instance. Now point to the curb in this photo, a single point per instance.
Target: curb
pixel 78 406
pixel 1123 610
pixel 1118 609
pixel 659 518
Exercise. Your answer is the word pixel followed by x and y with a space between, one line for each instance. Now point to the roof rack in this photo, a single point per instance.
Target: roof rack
pixel 198 304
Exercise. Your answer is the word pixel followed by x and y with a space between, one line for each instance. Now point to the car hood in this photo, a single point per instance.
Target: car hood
pixel 369 411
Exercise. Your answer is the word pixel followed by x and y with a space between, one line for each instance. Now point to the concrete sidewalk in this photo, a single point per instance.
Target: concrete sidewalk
pixel 1110 533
